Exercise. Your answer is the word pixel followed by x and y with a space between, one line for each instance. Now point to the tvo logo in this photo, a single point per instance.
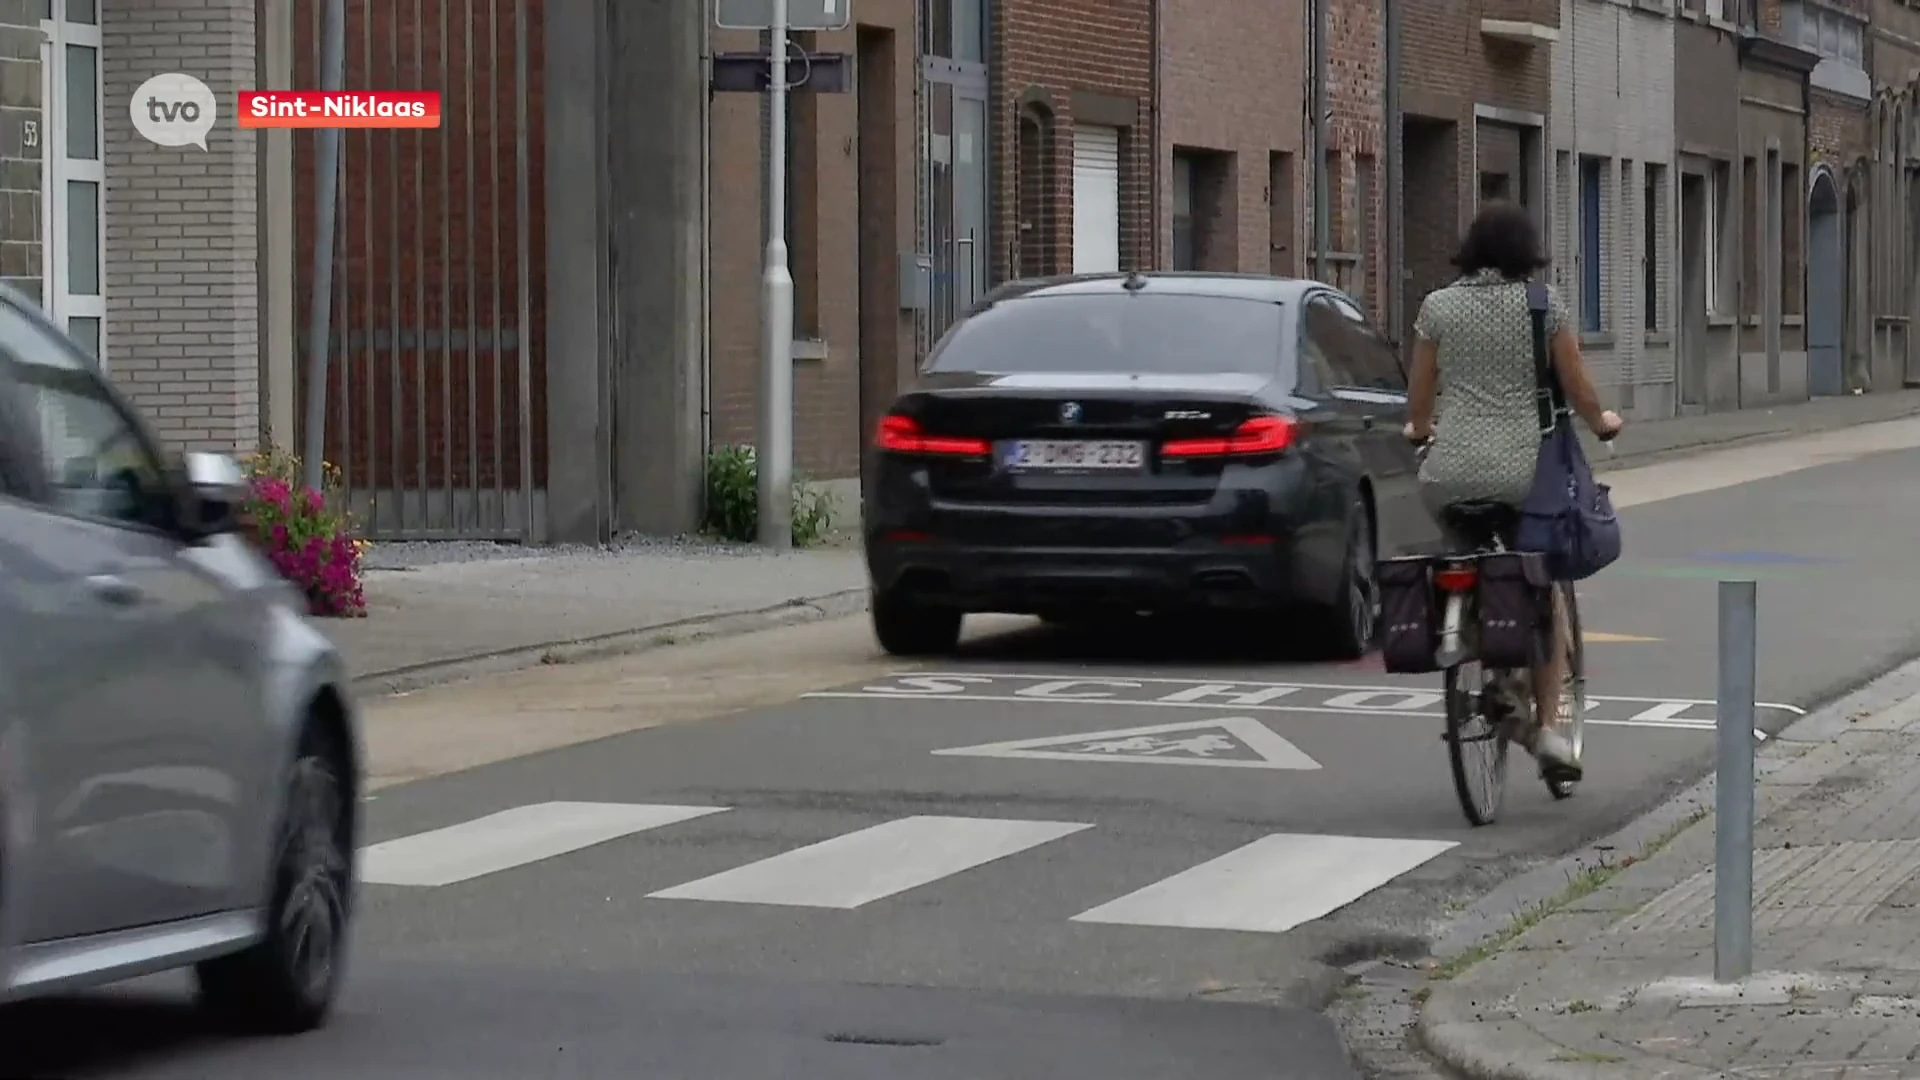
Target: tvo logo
pixel 174 109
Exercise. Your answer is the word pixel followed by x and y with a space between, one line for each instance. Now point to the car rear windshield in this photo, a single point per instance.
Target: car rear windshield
pixel 1132 333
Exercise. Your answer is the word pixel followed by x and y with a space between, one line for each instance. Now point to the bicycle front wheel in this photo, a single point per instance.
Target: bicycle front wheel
pixel 1573 689
pixel 1476 743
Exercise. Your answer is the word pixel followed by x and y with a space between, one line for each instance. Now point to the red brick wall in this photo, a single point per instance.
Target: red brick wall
pixel 1447 67
pixel 1056 47
pixel 1214 53
pixel 825 249
pixel 1356 59
pixel 409 251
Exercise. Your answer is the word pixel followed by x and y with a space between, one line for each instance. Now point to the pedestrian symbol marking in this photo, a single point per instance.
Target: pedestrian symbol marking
pixel 1230 742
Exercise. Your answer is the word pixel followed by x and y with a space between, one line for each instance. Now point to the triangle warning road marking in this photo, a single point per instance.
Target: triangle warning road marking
pixel 1193 742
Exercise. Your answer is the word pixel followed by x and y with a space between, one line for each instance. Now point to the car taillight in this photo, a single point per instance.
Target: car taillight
pixel 1455 579
pixel 1260 435
pixel 903 435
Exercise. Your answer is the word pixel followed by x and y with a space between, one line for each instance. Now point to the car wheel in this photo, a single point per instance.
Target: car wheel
pixel 906 626
pixel 1352 621
pixel 287 981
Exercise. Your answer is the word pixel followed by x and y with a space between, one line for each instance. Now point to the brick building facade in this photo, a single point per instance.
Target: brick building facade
pixel 1475 96
pixel 1613 152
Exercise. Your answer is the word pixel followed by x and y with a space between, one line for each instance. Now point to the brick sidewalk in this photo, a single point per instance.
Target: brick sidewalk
pixel 1617 982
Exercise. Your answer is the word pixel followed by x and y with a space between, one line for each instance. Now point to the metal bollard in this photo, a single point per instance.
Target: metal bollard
pixel 1733 785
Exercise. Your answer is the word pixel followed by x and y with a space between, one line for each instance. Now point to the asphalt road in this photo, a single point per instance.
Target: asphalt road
pixel 872 882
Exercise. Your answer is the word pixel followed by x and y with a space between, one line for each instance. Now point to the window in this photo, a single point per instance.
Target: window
pixel 1653 205
pixel 1793 216
pixel 1832 34
pixel 1716 9
pixel 1152 332
pixel 1750 202
pixel 1719 239
pixel 97 462
pixel 1366 361
pixel 1592 255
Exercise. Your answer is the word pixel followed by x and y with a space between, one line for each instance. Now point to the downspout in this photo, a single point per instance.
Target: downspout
pixel 706 247
pixel 1322 223
pixel 1156 21
pixel 1396 240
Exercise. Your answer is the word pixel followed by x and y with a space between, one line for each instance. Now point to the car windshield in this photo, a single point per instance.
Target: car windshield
pixel 1130 333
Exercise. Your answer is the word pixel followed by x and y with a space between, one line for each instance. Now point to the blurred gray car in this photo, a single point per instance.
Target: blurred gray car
pixel 179 765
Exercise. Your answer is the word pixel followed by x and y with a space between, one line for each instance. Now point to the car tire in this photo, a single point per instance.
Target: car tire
pixel 286 982
pixel 1351 623
pixel 907 626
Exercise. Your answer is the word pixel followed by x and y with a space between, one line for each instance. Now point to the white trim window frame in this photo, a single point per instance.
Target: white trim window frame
pixel 81 311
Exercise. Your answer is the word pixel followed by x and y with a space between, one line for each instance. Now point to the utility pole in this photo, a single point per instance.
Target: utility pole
pixel 1394 278
pixel 773 454
pixel 1322 222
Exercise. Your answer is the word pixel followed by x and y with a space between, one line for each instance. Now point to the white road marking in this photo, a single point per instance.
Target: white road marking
pixel 861 867
pixel 931 684
pixel 1320 710
pixel 1271 885
pixel 511 838
pixel 1160 744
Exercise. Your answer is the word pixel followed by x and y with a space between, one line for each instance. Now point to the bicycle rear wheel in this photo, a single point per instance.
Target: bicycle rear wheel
pixel 1476 743
pixel 1573 689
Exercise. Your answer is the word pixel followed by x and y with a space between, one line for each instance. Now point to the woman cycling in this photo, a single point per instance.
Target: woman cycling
pixel 1475 336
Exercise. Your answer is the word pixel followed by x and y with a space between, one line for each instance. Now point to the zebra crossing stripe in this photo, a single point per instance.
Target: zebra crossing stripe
pixel 1271 885
pixel 511 838
pixel 860 867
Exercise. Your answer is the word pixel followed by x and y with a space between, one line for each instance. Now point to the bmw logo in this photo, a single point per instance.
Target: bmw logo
pixel 1070 413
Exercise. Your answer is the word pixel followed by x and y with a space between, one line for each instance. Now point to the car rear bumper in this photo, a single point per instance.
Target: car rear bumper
pixel 1034 580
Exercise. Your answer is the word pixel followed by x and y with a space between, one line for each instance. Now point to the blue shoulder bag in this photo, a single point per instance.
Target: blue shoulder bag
pixel 1568 516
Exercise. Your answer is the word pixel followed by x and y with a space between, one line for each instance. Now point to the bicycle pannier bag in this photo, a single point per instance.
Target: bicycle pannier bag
pixel 1514 596
pixel 1568 516
pixel 1409 617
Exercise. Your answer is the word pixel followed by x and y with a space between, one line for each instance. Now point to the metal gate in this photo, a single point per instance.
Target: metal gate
pixel 436 369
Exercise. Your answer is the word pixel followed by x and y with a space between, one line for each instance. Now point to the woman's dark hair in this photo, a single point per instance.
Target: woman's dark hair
pixel 1502 238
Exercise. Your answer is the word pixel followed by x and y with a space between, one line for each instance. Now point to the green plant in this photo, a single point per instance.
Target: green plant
pixel 304 532
pixel 733 507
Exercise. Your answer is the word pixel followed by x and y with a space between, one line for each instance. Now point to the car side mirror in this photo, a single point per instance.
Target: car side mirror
pixel 213 495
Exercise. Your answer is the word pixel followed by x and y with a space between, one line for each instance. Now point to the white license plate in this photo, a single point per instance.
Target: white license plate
pixel 1069 455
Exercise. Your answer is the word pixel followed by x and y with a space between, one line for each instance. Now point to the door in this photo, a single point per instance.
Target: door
pixel 953 172
pixel 1696 219
pixel 72 175
pixel 1096 199
pixel 147 733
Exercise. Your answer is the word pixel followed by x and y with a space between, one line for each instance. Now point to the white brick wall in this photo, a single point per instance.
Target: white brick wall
pixel 1613 98
pixel 182 275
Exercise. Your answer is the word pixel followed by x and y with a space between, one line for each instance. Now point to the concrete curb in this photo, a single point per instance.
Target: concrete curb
pixel 1630 458
pixel 619 643
pixel 1501 1049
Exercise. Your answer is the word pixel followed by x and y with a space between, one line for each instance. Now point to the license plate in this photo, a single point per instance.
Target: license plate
pixel 1073 455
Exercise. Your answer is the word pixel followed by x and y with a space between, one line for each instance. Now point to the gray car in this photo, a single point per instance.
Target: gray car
pixel 179 765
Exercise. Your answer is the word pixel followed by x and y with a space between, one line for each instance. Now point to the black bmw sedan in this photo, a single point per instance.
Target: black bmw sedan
pixel 1148 442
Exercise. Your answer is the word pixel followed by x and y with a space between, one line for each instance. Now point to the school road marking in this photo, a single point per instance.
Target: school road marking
pixel 1692 714
pixel 1230 742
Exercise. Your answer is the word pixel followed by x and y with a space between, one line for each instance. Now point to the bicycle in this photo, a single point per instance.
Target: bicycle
pixel 1494 697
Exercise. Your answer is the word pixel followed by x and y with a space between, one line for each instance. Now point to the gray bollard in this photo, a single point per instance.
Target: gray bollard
pixel 1733 785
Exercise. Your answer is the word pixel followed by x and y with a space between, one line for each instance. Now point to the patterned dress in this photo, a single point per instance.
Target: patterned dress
pixel 1486 426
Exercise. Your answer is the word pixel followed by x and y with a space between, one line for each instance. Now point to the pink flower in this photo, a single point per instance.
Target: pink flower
pixel 315 502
